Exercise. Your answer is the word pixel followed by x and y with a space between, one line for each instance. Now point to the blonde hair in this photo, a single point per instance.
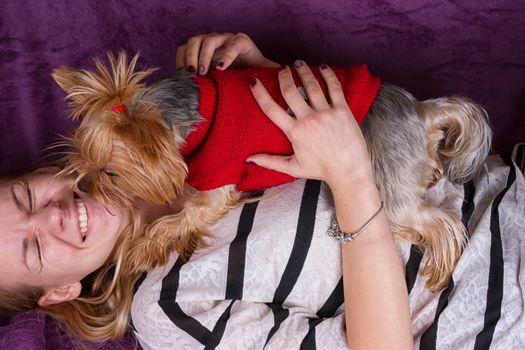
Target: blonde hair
pixel 102 312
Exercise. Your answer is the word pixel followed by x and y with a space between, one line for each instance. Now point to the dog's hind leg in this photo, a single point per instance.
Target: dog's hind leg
pixel 458 134
pixel 438 230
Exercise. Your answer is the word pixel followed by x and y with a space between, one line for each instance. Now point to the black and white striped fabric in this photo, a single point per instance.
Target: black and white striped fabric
pixel 272 278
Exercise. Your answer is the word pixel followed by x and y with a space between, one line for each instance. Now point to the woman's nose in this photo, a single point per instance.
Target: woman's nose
pixel 50 218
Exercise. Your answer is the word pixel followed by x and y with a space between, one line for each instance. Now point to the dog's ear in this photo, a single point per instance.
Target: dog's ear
pixel 67 78
pixel 93 93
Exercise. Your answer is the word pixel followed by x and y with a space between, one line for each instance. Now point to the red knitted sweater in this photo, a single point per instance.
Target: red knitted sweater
pixel 235 127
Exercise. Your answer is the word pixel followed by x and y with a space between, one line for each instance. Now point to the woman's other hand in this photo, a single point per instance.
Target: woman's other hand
pixel 220 51
pixel 327 141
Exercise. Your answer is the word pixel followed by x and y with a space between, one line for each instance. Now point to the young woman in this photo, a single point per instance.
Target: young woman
pixel 68 251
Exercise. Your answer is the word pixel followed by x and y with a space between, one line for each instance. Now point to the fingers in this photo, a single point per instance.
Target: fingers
pixel 202 52
pixel 227 57
pixel 208 51
pixel 335 91
pixel 316 98
pixel 271 108
pixel 315 94
pixel 293 97
pixel 283 164
pixel 291 94
pixel 191 54
pixel 237 45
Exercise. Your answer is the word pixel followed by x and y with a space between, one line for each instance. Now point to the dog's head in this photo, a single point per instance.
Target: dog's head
pixel 122 150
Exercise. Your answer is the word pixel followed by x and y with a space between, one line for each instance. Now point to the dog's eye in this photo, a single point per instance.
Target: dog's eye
pixel 108 172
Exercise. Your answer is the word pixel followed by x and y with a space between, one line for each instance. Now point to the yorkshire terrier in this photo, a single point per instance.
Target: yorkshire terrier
pixel 148 142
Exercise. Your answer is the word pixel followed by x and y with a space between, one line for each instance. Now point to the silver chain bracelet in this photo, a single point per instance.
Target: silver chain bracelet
pixel 335 231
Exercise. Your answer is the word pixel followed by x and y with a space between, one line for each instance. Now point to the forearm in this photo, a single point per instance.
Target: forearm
pixel 329 145
pixel 376 301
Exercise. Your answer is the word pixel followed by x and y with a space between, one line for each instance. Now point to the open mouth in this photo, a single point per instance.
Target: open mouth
pixel 82 217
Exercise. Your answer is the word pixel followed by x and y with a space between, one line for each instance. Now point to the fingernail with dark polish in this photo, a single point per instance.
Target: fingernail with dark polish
pixel 253 81
pixel 201 69
pixel 220 64
pixel 249 162
pixel 323 66
pixel 282 67
pixel 298 63
pixel 191 69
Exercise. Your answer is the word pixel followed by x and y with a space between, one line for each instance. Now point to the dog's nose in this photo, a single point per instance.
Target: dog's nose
pixel 83 184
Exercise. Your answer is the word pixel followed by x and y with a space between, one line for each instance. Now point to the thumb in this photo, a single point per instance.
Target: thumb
pixel 283 164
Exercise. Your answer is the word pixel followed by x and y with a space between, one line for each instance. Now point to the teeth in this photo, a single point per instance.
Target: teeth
pixel 82 217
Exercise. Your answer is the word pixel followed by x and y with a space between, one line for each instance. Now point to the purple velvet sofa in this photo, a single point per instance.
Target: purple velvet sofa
pixel 474 48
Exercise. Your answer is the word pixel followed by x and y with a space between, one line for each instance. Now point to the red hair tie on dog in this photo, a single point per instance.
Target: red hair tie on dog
pixel 119 108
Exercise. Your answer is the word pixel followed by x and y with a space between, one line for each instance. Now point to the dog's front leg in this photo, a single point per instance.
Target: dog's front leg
pixel 184 232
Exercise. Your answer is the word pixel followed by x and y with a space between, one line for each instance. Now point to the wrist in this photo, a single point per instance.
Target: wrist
pixel 352 181
pixel 356 195
pixel 356 200
pixel 350 169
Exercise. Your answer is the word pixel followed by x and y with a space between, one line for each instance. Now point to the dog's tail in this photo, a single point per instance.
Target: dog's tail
pixel 90 93
pixel 459 136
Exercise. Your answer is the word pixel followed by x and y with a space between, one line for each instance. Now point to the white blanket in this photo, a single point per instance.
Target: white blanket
pixel 272 278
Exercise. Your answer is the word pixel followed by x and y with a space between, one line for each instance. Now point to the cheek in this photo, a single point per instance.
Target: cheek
pixel 81 261
pixel 63 257
pixel 72 267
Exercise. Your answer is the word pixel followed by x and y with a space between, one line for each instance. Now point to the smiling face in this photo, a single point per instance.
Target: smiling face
pixel 52 235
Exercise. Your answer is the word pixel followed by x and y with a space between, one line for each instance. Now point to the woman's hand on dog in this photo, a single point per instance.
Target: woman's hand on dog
pixel 220 51
pixel 327 141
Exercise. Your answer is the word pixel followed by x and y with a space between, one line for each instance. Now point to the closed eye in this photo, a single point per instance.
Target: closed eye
pixel 109 173
pixel 39 249
pixel 30 198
